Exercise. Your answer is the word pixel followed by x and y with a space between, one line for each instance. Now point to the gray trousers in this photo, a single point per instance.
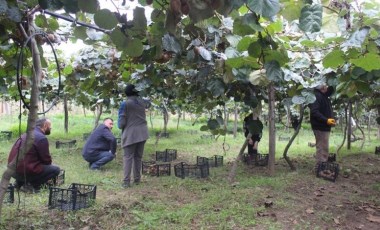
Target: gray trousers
pixel 132 158
pixel 322 145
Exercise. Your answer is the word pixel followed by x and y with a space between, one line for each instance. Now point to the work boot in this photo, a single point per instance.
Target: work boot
pixel 126 184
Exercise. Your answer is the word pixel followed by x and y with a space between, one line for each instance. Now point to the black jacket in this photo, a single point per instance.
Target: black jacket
pixel 321 110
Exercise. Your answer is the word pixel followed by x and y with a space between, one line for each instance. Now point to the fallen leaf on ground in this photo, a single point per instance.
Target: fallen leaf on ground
pixel 373 218
pixel 309 211
pixel 336 221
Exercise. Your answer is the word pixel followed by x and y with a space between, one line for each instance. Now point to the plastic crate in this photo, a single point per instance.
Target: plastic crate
pixel 328 171
pixel 331 157
pixel 377 150
pixel 77 196
pixel 58 180
pixel 258 159
pixel 167 155
pixel 183 170
pixel 280 138
pixel 65 144
pixel 208 136
pixel 5 135
pixel 215 161
pixel 162 134
pixel 153 168
pixel 9 197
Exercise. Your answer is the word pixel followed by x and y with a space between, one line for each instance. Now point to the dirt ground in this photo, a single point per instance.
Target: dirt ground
pixel 352 202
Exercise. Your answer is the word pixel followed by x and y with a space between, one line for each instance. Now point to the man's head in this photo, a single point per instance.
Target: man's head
pixel 45 125
pixel 322 87
pixel 108 122
pixel 130 90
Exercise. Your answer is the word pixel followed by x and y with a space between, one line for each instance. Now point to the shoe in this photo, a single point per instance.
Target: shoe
pixel 18 184
pixel 28 188
pixel 126 184
pixel 137 182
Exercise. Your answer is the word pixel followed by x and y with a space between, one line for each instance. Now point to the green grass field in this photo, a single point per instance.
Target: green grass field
pixel 170 202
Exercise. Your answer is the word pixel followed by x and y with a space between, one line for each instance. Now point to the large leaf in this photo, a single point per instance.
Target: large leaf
pixel 119 39
pixel 363 87
pixel 357 38
pixel 334 59
pixel 273 71
pixel 311 18
pixel 369 62
pixel 266 8
pixel 104 18
pixel 134 48
pixel 80 32
pixel 216 87
pixel 213 124
pixel 170 43
pixel 88 6
pixel 243 61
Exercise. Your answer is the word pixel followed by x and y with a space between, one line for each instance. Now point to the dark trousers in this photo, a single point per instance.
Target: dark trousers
pixel 133 157
pixel 100 159
pixel 36 180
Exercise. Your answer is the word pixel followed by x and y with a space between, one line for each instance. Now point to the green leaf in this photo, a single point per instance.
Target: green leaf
pixel 244 43
pixel 241 28
pixel 298 100
pixel 213 124
pixel 234 40
pixel 134 48
pixel 44 4
pixel 80 32
pixel 255 49
pixel 119 39
pixel 291 10
pixel 273 71
pixel 53 24
pixel 40 20
pixel 280 56
pixel 139 19
pixel 204 128
pixel 369 62
pixel 68 70
pixel 311 18
pixel 216 87
pixel 363 87
pixel 205 54
pixel 251 101
pixel 170 43
pixel 334 59
pixel 88 6
pixel 242 61
pixel 105 19
pixel 357 38
pixel 266 8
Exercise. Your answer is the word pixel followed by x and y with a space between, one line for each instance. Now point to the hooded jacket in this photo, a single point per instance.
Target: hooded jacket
pixel 321 110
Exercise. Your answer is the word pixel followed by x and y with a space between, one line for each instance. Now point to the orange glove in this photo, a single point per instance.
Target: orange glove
pixel 331 122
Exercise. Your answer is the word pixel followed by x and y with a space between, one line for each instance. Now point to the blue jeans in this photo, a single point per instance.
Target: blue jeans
pixel 100 159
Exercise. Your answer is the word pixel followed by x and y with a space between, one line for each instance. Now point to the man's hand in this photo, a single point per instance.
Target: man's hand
pixel 331 122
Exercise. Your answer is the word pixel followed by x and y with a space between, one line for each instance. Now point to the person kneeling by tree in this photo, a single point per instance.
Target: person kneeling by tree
pixel 101 145
pixel 36 168
pixel 253 125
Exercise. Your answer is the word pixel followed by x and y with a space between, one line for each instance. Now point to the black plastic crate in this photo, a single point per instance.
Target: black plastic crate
pixel 328 171
pixel 258 159
pixel 331 157
pixel 65 144
pixel 208 136
pixel 77 196
pixel 281 138
pixel 153 168
pixel 167 155
pixel 58 180
pixel 162 134
pixel 9 197
pixel 5 135
pixel 377 150
pixel 183 170
pixel 215 161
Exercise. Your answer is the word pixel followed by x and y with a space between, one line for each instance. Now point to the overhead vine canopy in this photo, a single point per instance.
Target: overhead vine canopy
pixel 200 53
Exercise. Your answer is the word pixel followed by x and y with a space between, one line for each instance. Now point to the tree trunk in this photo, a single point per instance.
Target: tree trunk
pixel 66 124
pixel 349 125
pixel 285 154
pixel 166 118
pixel 344 132
pixel 179 118
pixel 32 117
pixel 235 120
pixel 232 174
pixel 99 109
pixel 272 128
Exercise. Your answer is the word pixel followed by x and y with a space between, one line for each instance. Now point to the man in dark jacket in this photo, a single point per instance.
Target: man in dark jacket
pixel 36 167
pixel 321 119
pixel 100 147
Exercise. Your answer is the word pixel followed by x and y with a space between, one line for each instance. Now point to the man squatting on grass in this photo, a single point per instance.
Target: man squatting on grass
pixel 36 168
pixel 321 119
pixel 100 147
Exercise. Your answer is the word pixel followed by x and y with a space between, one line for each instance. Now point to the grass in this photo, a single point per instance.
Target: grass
pixel 170 202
